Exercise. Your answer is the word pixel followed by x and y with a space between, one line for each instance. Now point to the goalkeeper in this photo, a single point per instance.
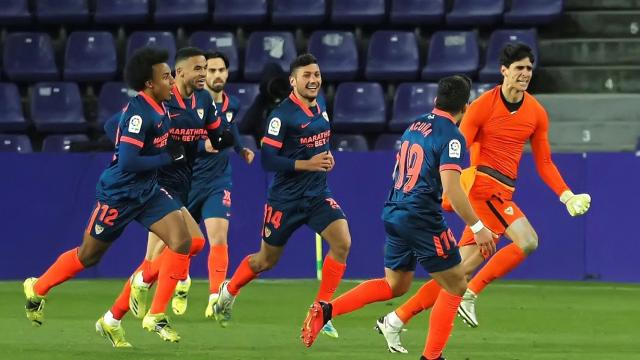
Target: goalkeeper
pixel 496 126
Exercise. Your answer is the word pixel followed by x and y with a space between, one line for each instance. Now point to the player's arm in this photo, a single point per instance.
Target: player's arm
pixel 131 142
pixel 576 204
pixel 470 124
pixel 219 137
pixel 246 153
pixel 111 126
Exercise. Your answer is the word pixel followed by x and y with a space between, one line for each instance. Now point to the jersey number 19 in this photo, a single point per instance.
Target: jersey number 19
pixel 409 165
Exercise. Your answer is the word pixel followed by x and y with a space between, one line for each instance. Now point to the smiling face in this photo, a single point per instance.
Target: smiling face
pixel 217 74
pixel 518 75
pixel 306 81
pixel 192 72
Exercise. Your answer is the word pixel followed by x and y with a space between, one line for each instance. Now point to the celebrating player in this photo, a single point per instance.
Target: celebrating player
pixel 210 194
pixel 128 190
pixel 296 147
pixel 497 126
pixel 428 163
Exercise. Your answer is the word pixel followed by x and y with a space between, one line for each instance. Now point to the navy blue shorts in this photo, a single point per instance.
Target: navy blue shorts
pixel 405 246
pixel 282 219
pixel 213 204
pixel 180 193
pixel 109 219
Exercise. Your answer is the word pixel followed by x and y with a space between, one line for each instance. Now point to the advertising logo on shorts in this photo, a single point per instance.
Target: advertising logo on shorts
pixel 454 148
pixel 274 127
pixel 98 229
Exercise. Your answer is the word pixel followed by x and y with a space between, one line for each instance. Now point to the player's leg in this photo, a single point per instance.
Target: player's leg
pixel 137 286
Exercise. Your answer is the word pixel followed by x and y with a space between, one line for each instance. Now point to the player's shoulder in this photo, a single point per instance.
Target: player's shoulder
pixel 234 102
pixel 488 97
pixel 203 96
pixel 533 102
pixel 284 109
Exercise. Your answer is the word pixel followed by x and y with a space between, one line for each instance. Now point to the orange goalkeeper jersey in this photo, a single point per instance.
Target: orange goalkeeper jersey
pixel 497 137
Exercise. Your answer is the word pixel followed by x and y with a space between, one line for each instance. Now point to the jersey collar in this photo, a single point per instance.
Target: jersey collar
pixel 300 104
pixel 225 102
pixel 178 96
pixel 159 109
pixel 445 114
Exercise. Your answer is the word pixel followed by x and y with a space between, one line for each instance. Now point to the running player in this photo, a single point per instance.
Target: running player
pixel 193 119
pixel 428 163
pixel 497 126
pixel 128 190
pixel 296 147
pixel 210 194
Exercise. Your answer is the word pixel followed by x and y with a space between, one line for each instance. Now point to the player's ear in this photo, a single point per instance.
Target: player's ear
pixel 149 84
pixel 503 70
pixel 292 80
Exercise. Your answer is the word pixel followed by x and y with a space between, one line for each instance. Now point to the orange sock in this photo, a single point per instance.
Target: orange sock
pixel 66 266
pixel 505 260
pixel 241 277
pixel 365 293
pixel 441 323
pixel 174 267
pixel 421 300
pixel 218 265
pixel 197 244
pixel 152 268
pixel 121 306
pixel 332 272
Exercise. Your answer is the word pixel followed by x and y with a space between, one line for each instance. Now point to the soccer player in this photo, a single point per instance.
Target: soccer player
pixel 128 190
pixel 296 147
pixel 210 194
pixel 428 163
pixel 497 126
pixel 193 119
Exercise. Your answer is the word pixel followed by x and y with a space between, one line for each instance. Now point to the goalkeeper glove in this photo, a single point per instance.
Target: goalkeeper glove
pixel 577 204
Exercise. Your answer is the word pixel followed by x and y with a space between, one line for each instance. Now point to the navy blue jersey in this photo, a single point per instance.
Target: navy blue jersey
pixel 144 124
pixel 299 133
pixel 211 169
pixel 190 119
pixel 431 144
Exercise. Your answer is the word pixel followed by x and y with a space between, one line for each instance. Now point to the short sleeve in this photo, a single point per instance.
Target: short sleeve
pixel 133 128
pixel 452 150
pixel 275 131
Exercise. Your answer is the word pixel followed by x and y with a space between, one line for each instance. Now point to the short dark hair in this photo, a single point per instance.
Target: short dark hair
pixel 302 60
pixel 453 93
pixel 217 55
pixel 188 52
pixel 139 68
pixel 515 51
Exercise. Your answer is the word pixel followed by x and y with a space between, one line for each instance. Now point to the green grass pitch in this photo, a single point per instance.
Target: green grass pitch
pixel 518 320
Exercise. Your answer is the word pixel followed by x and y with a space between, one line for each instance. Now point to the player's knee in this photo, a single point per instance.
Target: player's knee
pixel 89 259
pixel 341 248
pixel 399 289
pixel 261 264
pixel 529 243
pixel 219 238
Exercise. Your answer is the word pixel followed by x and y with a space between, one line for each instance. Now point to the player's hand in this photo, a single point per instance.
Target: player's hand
pixel 576 204
pixel 485 240
pixel 208 147
pixel 247 155
pixel 320 162
pixel 333 161
pixel 221 141
pixel 176 151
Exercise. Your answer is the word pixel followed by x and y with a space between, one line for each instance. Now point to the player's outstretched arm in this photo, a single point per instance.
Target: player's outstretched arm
pixel 460 203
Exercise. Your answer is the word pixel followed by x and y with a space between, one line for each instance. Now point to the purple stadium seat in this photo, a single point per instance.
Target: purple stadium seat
pixel 298 12
pixel 499 38
pixel 181 11
pixel 246 94
pixel 90 56
pixel 121 11
pixel 533 12
pixel 358 12
pixel 57 107
pixel 223 42
pixel 337 54
pixel 475 12
pixel 112 98
pixel 265 47
pixel 478 89
pixel 388 142
pixel 61 143
pixel 240 12
pixel 161 39
pixel 359 107
pixel 342 142
pixel 417 12
pixel 15 143
pixel 12 118
pixel 249 142
pixel 392 55
pixel 28 56
pixel 62 11
pixel 14 12
pixel 452 52
pixel 411 100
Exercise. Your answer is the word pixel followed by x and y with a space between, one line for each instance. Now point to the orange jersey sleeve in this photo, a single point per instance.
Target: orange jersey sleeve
pixel 542 155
